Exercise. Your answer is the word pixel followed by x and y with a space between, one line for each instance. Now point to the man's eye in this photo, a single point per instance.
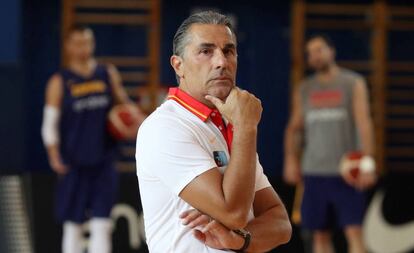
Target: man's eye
pixel 205 51
pixel 229 52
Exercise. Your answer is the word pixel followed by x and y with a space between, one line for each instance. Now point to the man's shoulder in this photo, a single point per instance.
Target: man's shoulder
pixel 165 113
pixel 306 83
pixel 308 80
pixel 166 119
pixel 350 74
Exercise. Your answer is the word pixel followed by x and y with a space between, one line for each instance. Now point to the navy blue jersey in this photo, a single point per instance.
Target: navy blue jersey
pixel 83 125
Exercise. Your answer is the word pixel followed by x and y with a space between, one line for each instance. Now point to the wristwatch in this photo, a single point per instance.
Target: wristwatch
pixel 246 236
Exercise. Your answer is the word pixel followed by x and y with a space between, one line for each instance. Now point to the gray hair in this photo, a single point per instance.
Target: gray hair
pixel 181 37
pixel 205 17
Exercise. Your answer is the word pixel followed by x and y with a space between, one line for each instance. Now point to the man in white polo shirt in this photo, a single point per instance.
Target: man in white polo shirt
pixel 201 184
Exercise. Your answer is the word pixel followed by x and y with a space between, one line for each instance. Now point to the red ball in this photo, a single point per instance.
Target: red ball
pixel 124 121
pixel 350 163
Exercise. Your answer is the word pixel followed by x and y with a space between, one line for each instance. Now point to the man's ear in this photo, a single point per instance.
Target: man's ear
pixel 176 62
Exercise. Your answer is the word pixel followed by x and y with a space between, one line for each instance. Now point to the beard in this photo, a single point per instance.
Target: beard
pixel 321 67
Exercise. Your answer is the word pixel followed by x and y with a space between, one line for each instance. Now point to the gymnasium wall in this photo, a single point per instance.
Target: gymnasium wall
pixel 12 92
pixel 10 23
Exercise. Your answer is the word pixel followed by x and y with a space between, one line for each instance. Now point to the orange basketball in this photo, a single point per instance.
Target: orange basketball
pixel 124 121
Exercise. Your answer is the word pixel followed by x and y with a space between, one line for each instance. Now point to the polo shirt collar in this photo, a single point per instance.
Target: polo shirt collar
pixel 199 109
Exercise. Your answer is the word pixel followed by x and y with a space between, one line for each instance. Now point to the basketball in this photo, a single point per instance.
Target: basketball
pixel 355 162
pixel 350 164
pixel 124 121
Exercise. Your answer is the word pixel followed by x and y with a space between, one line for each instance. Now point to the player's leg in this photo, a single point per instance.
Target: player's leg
pixel 101 235
pixel 322 242
pixel 350 206
pixel 353 236
pixel 70 207
pixel 72 237
pixel 104 186
pixel 316 213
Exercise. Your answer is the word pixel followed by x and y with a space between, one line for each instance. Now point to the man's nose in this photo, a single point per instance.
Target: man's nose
pixel 220 60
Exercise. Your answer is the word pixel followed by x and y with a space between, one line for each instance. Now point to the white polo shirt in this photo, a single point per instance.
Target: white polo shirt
pixel 175 144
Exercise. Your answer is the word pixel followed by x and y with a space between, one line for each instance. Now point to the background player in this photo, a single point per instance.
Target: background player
pixel 79 148
pixel 331 108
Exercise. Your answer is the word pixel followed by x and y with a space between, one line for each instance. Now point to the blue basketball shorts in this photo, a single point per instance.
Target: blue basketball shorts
pixel 328 202
pixel 86 192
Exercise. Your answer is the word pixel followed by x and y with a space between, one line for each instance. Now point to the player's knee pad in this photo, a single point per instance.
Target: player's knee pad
pixel 72 238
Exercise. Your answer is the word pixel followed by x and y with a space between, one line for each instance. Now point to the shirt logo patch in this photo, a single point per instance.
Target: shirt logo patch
pixel 220 158
pixel 326 99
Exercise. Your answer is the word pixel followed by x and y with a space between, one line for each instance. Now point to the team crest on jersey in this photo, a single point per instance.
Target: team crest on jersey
pixel 220 158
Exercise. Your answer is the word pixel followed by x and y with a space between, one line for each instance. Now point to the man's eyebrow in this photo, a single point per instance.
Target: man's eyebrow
pixel 211 45
pixel 230 46
pixel 206 45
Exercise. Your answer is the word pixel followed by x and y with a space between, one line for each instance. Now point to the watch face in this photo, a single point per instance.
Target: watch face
pixel 244 231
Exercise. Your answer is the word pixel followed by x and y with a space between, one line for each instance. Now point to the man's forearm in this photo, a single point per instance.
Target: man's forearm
pixel 269 230
pixel 53 151
pixel 291 145
pixel 367 141
pixel 239 177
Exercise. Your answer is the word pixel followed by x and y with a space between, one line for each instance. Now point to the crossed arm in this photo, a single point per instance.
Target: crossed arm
pixel 269 229
pixel 227 198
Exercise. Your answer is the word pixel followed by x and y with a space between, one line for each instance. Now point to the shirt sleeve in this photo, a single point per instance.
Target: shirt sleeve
pixel 170 151
pixel 261 179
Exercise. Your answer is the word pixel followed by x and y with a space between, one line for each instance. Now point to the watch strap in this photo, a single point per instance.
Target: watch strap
pixel 246 236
